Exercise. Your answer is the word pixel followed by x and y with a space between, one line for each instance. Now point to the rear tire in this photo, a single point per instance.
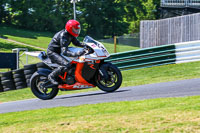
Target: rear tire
pixel 42 93
pixel 114 82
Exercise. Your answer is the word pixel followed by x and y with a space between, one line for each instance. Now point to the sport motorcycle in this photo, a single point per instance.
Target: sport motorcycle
pixel 87 71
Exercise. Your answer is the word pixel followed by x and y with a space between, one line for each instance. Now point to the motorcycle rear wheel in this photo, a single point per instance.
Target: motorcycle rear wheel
pixel 42 93
pixel 114 82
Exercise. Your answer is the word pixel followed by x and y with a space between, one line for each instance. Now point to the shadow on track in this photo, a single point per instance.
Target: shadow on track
pixel 93 94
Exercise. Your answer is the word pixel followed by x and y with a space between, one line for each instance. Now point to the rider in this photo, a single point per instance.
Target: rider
pixel 59 44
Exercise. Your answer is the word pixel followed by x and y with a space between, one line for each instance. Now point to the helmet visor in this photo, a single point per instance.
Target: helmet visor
pixel 76 31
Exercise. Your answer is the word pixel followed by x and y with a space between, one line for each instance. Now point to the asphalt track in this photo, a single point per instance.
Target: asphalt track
pixel 180 88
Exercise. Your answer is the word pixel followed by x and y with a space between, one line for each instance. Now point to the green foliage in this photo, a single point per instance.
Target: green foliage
pixel 142 10
pixel 103 17
pixel 38 15
pixel 99 18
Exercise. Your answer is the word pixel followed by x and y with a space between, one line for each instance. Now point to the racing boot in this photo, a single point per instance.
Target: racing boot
pixel 52 76
pixel 66 68
pixel 58 71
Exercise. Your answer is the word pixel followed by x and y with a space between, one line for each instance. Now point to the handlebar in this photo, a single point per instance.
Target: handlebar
pixel 89 50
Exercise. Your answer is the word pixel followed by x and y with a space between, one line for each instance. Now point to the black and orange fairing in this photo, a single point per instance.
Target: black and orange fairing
pixel 84 74
pixel 89 70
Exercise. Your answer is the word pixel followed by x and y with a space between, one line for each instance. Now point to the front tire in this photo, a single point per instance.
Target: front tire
pixel 115 79
pixel 36 87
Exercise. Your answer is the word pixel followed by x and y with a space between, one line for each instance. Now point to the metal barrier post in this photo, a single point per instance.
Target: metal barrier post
pixel 17 50
pixel 26 57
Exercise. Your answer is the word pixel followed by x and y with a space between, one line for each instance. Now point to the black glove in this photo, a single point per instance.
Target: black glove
pixel 88 50
pixel 66 52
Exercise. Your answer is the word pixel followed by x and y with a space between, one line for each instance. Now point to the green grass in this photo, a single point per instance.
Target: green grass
pixel 163 73
pixel 42 39
pixel 130 78
pixel 120 48
pixel 6 46
pixel 164 115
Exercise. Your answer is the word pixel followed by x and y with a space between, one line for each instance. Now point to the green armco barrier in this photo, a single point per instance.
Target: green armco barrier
pixel 147 57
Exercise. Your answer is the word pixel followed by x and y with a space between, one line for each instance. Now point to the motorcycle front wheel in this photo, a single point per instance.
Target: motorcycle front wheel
pixel 114 81
pixel 37 80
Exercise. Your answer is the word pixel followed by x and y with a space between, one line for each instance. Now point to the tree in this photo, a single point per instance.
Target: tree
pixel 4 12
pixel 141 10
pixel 114 18
pixel 90 12
pixel 42 15
pixel 98 18
pixel 103 17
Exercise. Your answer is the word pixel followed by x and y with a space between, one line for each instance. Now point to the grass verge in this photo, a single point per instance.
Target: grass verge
pixel 155 115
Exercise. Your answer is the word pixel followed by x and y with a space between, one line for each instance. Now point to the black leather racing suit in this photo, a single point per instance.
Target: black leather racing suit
pixel 58 44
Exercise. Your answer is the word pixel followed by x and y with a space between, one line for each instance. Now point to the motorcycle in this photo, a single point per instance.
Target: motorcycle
pixel 87 71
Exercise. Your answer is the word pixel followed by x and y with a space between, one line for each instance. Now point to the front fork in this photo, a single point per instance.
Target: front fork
pixel 103 72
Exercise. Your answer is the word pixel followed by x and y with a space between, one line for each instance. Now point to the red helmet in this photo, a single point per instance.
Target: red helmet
pixel 73 27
